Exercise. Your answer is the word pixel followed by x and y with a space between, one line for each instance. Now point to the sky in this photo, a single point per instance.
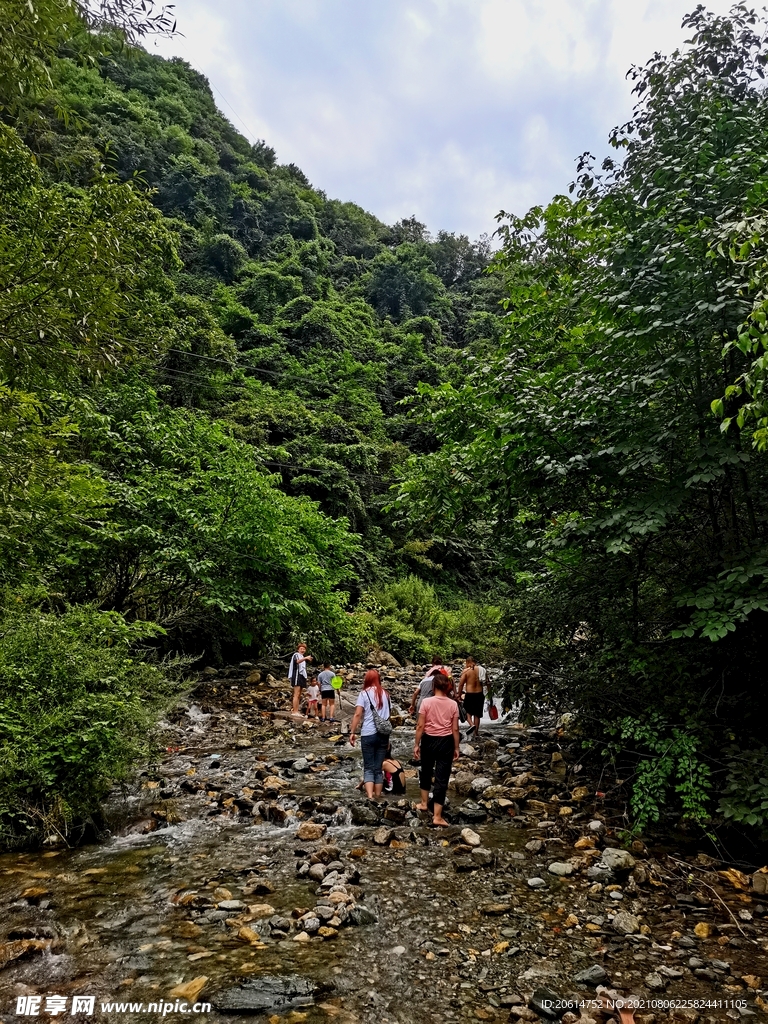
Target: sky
pixel 449 110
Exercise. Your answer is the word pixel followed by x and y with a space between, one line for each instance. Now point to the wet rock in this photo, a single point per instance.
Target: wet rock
pixel 599 873
pixel 482 856
pixel 362 814
pixel 496 909
pixel 592 976
pixel 480 784
pixel 317 872
pixel 267 993
pixel 301 764
pixel 560 868
pixel 190 990
pixel 596 826
pixel 467 750
pixel 655 981
pixel 231 905
pixel 472 813
pixel 382 836
pixel 470 837
pixel 20 949
pixel 395 814
pixel 536 883
pixel 625 924
pixel 360 915
pixel 311 830
pixel 617 860
pixel 465 864
pixel 534 846
pixel 310 924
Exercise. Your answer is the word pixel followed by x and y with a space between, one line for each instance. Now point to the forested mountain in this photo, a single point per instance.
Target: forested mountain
pixel 293 323
pixel 202 365
pixel 234 411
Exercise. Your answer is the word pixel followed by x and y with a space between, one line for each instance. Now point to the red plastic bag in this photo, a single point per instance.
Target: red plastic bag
pixel 493 712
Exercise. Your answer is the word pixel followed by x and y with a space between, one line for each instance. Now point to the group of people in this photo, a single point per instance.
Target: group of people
pixel 320 694
pixel 436 744
pixel 435 701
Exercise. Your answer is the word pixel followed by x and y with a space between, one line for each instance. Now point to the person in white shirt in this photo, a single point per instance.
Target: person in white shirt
pixel 297 673
pixel 313 699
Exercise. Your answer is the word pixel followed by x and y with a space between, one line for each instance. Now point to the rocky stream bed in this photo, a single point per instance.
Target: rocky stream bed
pixel 246 873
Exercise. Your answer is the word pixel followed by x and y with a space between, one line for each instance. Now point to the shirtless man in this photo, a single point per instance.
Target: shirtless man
pixel 471 690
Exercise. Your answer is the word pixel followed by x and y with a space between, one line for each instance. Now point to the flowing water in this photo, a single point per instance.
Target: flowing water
pixel 155 913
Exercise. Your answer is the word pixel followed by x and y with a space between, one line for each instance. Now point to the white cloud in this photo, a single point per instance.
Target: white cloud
pixel 450 109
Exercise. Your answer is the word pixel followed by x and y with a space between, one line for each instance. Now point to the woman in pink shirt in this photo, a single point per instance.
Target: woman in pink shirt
pixel 437 746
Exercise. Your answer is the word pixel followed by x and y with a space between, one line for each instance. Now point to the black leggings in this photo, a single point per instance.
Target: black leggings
pixel 437 758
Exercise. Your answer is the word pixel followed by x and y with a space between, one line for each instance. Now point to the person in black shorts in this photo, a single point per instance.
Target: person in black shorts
pixel 327 693
pixel 471 689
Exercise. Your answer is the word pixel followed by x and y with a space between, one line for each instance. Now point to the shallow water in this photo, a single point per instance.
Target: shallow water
pixel 130 919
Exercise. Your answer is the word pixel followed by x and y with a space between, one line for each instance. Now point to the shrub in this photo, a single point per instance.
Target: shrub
pixel 76 703
pixel 408 619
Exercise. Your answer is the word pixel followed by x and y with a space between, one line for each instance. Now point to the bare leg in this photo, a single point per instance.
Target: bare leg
pixel 369 790
pixel 437 817
pixel 296 699
pixel 378 789
pixel 424 800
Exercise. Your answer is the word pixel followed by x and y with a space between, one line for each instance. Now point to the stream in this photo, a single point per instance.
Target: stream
pixel 245 877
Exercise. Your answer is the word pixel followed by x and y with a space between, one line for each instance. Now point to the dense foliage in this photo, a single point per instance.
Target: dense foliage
pixel 212 375
pixel 630 519
pixel 77 701
pixel 202 360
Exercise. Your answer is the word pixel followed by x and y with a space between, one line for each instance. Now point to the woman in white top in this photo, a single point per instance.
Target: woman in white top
pixel 372 743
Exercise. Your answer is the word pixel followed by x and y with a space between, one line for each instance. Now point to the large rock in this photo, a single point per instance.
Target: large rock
pixel 267 993
pixel 625 924
pixel 560 868
pixel 379 657
pixel 472 813
pixel 382 836
pixel 311 830
pixel 593 976
pixel 317 872
pixel 617 860
pixel 362 814
pixel 470 837
pixel 480 784
pixel 462 783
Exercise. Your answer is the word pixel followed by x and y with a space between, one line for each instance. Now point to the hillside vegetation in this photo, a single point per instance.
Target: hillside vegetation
pixel 202 368
pixel 234 412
